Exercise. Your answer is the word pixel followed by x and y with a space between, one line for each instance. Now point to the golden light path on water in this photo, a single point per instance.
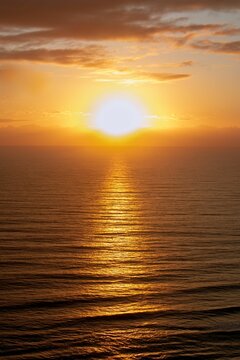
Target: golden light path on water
pixel 121 252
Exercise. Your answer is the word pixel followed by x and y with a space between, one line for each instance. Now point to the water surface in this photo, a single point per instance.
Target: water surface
pixel 119 253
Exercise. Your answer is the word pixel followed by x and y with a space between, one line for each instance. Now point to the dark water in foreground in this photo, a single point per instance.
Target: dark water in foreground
pixel 119 254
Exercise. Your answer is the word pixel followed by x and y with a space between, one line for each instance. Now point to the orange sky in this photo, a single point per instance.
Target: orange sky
pixel 180 59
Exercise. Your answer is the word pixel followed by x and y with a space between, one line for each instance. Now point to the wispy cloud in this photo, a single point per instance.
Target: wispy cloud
pixel 134 78
pixel 232 47
pixel 160 77
pixel 88 56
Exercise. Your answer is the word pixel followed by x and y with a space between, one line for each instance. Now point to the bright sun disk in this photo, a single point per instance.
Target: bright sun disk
pixel 117 116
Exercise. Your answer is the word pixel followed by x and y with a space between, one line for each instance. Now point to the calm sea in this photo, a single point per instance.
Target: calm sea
pixel 119 253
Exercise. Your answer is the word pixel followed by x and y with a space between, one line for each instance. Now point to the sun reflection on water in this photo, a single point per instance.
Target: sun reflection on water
pixel 119 259
pixel 119 202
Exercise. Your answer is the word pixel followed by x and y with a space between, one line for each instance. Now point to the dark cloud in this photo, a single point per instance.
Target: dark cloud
pixel 225 31
pixel 116 28
pixel 45 13
pixel 160 77
pixel 89 56
pixel 232 47
pixel 187 63
pixel 105 19
pixel 38 30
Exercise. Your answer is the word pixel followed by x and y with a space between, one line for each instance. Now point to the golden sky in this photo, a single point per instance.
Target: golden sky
pixel 179 59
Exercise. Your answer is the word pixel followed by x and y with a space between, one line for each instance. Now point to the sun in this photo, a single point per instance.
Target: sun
pixel 118 116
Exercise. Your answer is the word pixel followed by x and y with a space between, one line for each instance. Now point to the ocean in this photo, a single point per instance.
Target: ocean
pixel 119 253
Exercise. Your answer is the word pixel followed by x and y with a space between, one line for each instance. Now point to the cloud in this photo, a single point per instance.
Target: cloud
pixel 218 47
pixel 99 20
pixel 63 32
pixel 55 13
pixel 118 27
pixel 144 77
pixel 186 63
pixel 161 77
pixel 227 30
pixel 89 56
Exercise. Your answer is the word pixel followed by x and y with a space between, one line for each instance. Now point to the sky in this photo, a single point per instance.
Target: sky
pixel 179 59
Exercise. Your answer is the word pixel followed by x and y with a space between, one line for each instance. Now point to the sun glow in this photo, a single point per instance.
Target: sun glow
pixel 118 116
